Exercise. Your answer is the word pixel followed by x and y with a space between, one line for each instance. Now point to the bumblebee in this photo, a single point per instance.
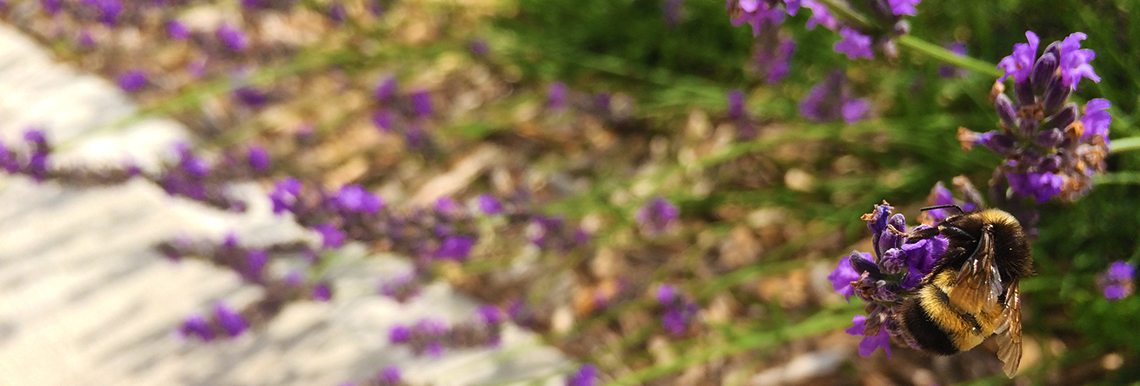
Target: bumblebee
pixel 972 291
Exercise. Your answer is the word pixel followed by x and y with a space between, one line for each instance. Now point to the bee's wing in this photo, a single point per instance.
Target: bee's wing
pixel 978 284
pixel 1009 333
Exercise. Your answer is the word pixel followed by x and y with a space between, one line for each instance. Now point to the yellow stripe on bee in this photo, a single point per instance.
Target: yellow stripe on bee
pixel 959 324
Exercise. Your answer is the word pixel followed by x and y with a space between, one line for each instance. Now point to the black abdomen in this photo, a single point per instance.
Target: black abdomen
pixel 921 326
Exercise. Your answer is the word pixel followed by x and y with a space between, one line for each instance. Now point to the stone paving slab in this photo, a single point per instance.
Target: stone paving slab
pixel 83 299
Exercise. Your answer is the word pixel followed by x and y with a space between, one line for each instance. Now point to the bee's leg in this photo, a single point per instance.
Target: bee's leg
pixel 921 234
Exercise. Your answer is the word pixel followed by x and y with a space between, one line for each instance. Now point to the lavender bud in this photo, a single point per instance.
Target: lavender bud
pixel 1043 71
pixel 888 292
pixel 1062 119
pixel 1049 138
pixel 1006 111
pixel 894 261
pixel 1028 128
pixel 999 143
pixel 1051 163
pixel 1024 92
pixel 861 265
pixel 1056 94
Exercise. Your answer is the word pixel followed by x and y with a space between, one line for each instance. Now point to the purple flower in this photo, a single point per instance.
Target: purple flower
pixel 854 44
pixel 255 260
pixel 132 80
pixel 939 195
pixel 831 100
pixel 176 30
pixel 1040 186
pixel 382 119
pixel 674 11
pixel 356 198
pixel 1074 62
pixel 386 89
pixel 232 37
pixel 1096 119
pixel 479 47
pixel 321 292
pixel 456 248
pixel 401 287
pixel 735 104
pixel 51 6
pixel 757 13
pixel 855 110
pixel 844 274
pixel 284 195
pixel 870 343
pixel 399 334
pixel 1116 281
pixel 587 375
pixel 820 15
pixel 1020 64
pixel 251 97
pixel 331 236
pixel 421 102
pixel 903 7
pixel 489 205
pixel 666 294
pixel 258 158
pixel 946 71
pixel 490 314
pixel 231 322
pixel 657 215
pixel 390 374
pixel 556 96
pixel 196 327
pixel 336 12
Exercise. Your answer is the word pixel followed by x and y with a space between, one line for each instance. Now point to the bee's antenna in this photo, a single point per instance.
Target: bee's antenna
pixel 943 207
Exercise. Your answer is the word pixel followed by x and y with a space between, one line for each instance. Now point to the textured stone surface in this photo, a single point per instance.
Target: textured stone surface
pixel 83 299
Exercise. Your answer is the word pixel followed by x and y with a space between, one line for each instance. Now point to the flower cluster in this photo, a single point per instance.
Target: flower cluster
pixel 882 22
pixel 680 311
pixel 1116 281
pixel 432 336
pixel 939 195
pixel 772 55
pixel 657 216
pixel 408 114
pixel 832 100
pixel 1052 148
pixel 252 264
pixel 884 279
pixel 189 175
pixel 224 322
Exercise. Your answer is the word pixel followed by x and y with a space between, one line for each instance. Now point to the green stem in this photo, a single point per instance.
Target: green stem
pixel 1118 178
pixel 1126 144
pixel 945 55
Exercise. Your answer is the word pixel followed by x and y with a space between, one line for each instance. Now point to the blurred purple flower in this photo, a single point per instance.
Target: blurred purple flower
pixel 1096 119
pixel 735 104
pixel 331 236
pixel 382 119
pixel 854 44
pixel 386 89
pixel 657 215
pixel 586 375
pixel 489 205
pixel 556 96
pixel 421 101
pixel 231 322
pixel 457 248
pixel 321 292
pixel 258 158
pixel 948 71
pixel 831 100
pixel 757 13
pixel 133 80
pixel 1116 281
pixel 336 12
pixel 399 334
pixel 674 11
pixel 232 37
pixel 196 327
pixel 108 10
pixel 356 198
pixel 51 6
pixel 251 97
pixel 479 47
pixel 284 195
pixel 489 314
pixel 176 30
pixel 390 374
pixel 666 294
pixel 903 7
pixel 820 15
